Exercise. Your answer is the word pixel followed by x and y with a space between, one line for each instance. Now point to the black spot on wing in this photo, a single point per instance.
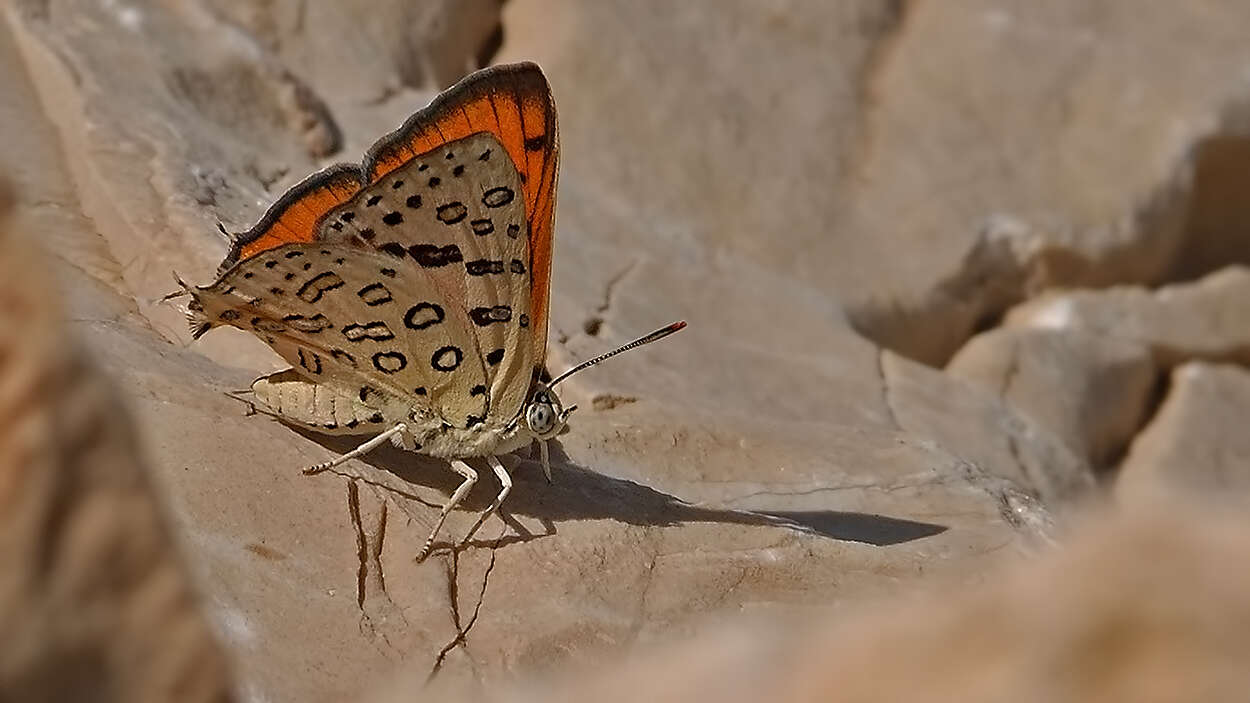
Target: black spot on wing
pixel 483 267
pixel 394 249
pixel 389 362
pixel 498 197
pixel 494 357
pixel 374 294
pixel 446 358
pixel 318 285
pixel 536 143
pixel 433 256
pixel 423 315
pixel 483 316
pixel 309 361
pixel 377 331
pixel 452 212
pixel 311 325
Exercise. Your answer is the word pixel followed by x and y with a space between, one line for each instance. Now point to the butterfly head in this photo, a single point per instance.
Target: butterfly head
pixel 544 415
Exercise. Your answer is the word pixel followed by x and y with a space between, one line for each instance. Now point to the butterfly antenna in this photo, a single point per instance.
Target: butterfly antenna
pixel 183 289
pixel 653 337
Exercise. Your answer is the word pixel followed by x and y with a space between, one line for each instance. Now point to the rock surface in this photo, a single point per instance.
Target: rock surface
pixel 1097 622
pixel 779 174
pixel 1204 319
pixel 94 602
pixel 1197 442
pixel 1092 391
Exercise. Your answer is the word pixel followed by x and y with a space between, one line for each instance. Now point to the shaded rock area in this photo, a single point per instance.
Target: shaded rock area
pixel 953 272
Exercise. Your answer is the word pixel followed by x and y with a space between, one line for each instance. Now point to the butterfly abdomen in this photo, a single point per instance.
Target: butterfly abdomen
pixel 293 399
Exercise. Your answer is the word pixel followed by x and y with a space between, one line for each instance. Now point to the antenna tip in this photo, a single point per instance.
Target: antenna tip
pixel 679 325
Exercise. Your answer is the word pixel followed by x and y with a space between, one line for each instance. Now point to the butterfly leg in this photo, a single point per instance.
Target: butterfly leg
pixel 506 482
pixel 358 451
pixel 470 478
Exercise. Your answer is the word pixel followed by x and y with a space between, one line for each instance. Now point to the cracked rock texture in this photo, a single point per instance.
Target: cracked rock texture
pixel 839 197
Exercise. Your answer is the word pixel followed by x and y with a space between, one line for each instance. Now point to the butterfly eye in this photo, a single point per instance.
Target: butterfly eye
pixel 542 417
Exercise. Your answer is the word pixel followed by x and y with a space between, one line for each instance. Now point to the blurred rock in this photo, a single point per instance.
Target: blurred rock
pixel 94 602
pixel 929 164
pixel 1206 319
pixel 1197 442
pixel 1096 621
pixel 1091 391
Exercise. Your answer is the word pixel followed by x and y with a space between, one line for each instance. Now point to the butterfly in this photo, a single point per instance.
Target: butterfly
pixel 410 293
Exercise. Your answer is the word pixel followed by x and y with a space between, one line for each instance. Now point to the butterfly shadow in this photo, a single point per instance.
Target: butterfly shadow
pixel 578 493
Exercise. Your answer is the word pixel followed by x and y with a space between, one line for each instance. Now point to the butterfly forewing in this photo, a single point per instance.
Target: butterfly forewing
pixel 513 103
pixel 458 214
pixel 460 199
pixel 346 317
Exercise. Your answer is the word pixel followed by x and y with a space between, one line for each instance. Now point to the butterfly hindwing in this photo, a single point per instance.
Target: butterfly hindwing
pixel 346 317
pixel 457 213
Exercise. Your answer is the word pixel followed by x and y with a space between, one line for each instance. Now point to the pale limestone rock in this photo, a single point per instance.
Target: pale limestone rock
pixel 94 602
pixel 757 469
pixel 1197 443
pixel 982 428
pixel 752 169
pixel 1091 391
pixel 1205 319
pixel 1145 607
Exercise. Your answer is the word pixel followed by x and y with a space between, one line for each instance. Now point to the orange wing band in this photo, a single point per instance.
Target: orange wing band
pixel 512 102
